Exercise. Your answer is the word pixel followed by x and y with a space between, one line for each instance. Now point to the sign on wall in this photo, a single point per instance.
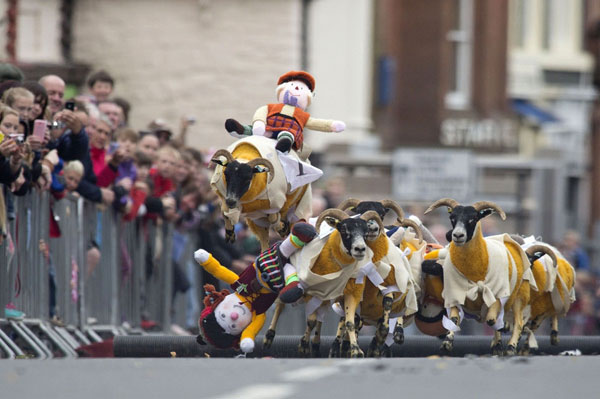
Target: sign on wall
pixel 430 174
pixel 499 134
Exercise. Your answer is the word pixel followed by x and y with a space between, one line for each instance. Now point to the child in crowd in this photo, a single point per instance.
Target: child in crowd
pixel 163 172
pixel 142 185
pixel 68 180
pixel 126 171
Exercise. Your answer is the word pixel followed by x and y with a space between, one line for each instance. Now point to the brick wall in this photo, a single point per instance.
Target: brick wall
pixel 205 58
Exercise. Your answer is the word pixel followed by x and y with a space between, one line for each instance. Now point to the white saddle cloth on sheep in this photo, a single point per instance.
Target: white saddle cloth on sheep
pixel 278 190
pixel 496 285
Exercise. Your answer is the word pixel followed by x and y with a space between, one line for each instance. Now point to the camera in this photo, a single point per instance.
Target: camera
pixel 56 125
pixel 70 105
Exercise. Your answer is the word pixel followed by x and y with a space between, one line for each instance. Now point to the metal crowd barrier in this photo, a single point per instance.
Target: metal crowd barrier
pixel 132 281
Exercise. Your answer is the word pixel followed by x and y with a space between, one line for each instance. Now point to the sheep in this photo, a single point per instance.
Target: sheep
pixel 240 181
pixel 394 290
pixel 483 276
pixel 326 267
pixel 555 277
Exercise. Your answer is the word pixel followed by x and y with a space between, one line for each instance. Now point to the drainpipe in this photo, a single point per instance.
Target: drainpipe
pixel 11 30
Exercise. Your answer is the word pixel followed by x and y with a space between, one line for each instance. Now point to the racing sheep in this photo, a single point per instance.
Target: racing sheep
pixel 250 181
pixel 483 276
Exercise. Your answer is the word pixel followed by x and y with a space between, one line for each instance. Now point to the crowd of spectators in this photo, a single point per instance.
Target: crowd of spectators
pixel 85 147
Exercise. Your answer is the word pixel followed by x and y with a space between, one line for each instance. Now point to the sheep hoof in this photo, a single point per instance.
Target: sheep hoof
pixel 447 346
pixel 524 351
pixel 304 348
pixel 230 236
pixel 268 340
pixel 356 352
pixel 386 351
pixel 554 340
pixel 283 228
pixel 497 349
pixel 491 322
pixel 399 335
pixel 334 351
pixel 511 350
pixel 345 349
pixel 315 349
pixel 373 350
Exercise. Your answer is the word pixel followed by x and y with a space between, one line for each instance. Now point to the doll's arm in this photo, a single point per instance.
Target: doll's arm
pixel 259 121
pixel 211 265
pixel 325 125
pixel 249 334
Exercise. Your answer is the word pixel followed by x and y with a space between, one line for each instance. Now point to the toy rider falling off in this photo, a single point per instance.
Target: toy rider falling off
pixel 286 120
pixel 233 319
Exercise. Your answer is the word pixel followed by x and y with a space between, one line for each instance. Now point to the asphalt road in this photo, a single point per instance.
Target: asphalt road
pixel 268 378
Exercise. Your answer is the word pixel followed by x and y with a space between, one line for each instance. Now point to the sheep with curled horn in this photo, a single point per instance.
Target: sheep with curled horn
pixel 326 267
pixel 483 276
pixel 250 181
pixel 389 287
pixel 555 278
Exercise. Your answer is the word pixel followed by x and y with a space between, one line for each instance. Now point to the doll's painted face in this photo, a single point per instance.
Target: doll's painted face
pixel 232 315
pixel 295 93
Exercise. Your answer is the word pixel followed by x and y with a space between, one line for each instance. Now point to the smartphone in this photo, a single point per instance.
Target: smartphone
pixel 39 129
pixel 113 147
pixel 70 105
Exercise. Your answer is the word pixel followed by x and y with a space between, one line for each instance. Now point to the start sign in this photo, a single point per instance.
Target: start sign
pixel 430 174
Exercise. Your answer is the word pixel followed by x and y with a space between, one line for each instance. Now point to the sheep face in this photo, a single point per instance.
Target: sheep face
pixel 464 219
pixel 353 233
pixel 238 177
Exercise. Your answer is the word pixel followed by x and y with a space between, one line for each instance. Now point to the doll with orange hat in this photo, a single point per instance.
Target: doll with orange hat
pixel 232 319
pixel 286 120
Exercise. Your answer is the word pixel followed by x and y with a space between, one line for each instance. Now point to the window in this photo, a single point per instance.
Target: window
pixel 461 39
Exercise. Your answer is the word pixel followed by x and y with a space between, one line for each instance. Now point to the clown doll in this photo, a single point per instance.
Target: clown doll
pixel 232 319
pixel 286 120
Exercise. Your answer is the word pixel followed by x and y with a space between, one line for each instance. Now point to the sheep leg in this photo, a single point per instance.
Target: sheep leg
pixel 492 314
pixel 270 335
pixel 518 306
pixel 334 351
pixel 383 325
pixel 399 331
pixel 229 230
pixel 350 305
pixel 496 346
pixel 315 348
pixel 277 224
pixel 554 340
pixel 262 233
pixel 448 342
pixel 304 346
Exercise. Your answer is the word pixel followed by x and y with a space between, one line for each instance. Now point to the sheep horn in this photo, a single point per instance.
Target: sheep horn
pixel 369 215
pixel 264 162
pixel 393 205
pixel 449 202
pixel 331 212
pixel 542 248
pixel 348 204
pixel 416 228
pixel 222 153
pixel 480 205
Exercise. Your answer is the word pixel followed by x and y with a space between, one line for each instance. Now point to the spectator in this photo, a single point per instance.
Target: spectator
pixel 161 130
pixel 574 252
pixel 125 106
pixel 162 175
pixel 21 100
pixel 55 88
pixel 69 180
pixel 40 101
pixel 10 72
pixel 149 144
pixel 101 86
pixel 113 111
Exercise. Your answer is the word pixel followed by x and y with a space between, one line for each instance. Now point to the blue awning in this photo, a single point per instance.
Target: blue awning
pixel 529 110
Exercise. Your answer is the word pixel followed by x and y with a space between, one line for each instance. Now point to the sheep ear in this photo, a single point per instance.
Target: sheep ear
pixel 485 212
pixel 219 161
pixel 432 267
pixel 535 256
pixel 449 210
pixel 333 222
pixel 260 169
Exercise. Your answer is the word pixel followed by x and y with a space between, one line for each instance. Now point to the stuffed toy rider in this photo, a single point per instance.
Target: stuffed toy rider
pixel 286 120
pixel 232 320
